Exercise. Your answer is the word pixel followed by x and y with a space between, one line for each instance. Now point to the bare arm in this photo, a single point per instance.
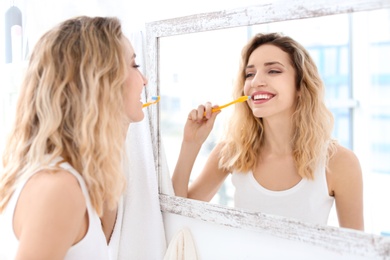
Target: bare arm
pixel 207 184
pixel 185 162
pixel 50 216
pixel 346 184
pixel 196 131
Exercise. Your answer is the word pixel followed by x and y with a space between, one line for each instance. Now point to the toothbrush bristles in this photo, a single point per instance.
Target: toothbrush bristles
pixel 152 100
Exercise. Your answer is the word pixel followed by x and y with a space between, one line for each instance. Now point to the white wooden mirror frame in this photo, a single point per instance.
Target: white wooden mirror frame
pixel 335 239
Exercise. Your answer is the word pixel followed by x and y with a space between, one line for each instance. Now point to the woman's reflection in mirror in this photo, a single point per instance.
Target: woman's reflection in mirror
pixel 278 145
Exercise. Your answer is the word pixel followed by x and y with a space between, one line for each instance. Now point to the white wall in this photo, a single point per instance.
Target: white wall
pixel 41 15
pixel 214 241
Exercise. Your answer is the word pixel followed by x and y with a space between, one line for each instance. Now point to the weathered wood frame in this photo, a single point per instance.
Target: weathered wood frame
pixel 341 240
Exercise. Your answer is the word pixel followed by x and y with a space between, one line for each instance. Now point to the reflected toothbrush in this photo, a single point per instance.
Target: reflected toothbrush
pixel 238 100
pixel 151 101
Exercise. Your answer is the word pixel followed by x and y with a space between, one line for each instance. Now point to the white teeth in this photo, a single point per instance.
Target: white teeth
pixel 262 96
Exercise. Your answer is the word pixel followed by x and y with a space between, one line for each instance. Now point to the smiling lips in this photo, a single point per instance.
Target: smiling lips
pixel 261 97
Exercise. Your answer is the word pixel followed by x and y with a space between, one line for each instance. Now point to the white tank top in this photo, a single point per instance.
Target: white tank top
pixel 92 246
pixel 307 201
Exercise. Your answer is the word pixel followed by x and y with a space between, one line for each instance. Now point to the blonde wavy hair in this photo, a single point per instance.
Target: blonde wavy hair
pixel 312 121
pixel 71 105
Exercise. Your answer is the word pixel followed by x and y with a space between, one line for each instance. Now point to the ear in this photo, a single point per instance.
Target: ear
pixel 299 96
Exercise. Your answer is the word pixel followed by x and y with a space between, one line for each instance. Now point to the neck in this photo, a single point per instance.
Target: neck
pixel 278 136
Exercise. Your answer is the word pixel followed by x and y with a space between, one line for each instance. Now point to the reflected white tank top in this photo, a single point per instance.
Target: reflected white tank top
pixel 307 201
pixel 92 246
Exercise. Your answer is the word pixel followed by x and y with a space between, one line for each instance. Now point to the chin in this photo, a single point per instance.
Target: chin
pixel 137 118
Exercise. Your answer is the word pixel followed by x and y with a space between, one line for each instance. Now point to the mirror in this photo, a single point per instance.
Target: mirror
pixel 197 59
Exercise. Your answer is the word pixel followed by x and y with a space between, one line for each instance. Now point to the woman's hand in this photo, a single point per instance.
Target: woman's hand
pixel 199 124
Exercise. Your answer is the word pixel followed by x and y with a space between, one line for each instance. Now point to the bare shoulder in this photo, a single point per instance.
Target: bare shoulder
pixel 343 157
pixel 218 147
pixel 214 158
pixel 345 183
pixel 344 167
pixel 53 203
pixel 55 186
pixel 215 154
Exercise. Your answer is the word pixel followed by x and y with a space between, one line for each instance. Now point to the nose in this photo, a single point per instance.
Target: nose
pixel 145 80
pixel 258 81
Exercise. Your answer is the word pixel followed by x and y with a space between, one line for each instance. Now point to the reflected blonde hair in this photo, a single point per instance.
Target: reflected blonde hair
pixel 312 121
pixel 71 105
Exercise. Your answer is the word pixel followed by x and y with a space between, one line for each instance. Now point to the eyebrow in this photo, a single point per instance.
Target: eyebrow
pixel 266 64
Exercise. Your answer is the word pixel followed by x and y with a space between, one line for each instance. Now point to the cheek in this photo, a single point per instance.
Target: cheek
pixel 246 88
pixel 133 106
pixel 127 96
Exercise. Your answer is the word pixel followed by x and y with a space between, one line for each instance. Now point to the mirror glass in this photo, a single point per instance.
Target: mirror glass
pixel 352 53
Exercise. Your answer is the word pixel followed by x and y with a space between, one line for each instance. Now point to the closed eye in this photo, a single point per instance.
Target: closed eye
pixel 248 75
pixel 274 72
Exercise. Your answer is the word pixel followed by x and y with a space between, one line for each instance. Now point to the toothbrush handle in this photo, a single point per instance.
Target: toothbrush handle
pixel 240 99
pixel 215 109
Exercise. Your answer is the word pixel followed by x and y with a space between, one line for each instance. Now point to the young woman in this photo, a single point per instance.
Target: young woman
pixel 62 174
pixel 278 144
